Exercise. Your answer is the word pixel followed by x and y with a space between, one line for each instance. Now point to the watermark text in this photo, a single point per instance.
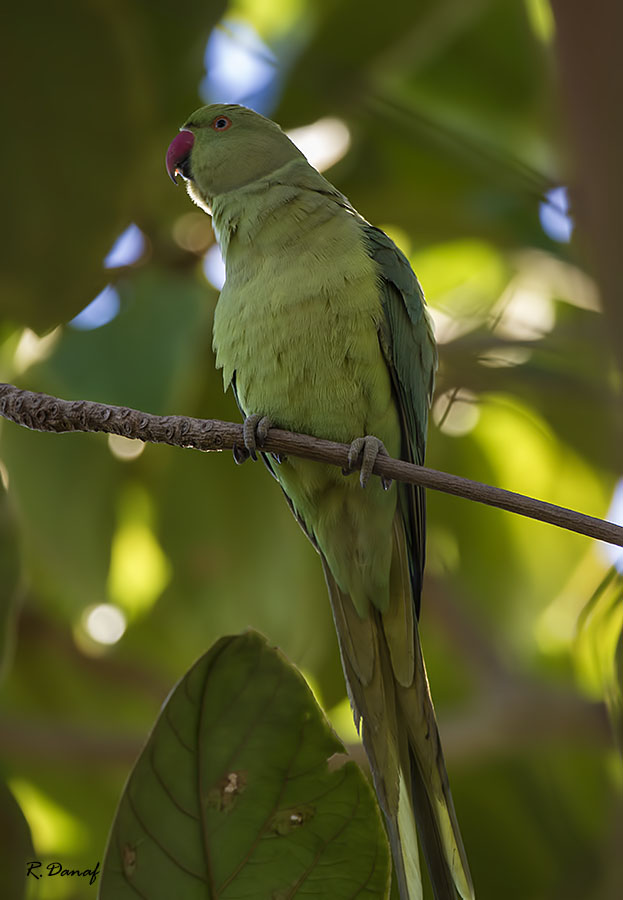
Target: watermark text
pixel 38 870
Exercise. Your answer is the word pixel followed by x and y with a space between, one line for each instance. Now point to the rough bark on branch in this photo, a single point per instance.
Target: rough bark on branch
pixel 44 413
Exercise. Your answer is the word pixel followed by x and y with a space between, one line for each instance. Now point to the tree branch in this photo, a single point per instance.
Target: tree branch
pixel 44 413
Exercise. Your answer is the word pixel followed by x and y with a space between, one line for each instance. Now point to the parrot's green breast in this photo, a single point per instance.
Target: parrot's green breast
pixel 296 325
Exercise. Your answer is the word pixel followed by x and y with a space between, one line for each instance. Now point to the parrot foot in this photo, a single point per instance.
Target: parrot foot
pixel 254 430
pixel 241 454
pixel 368 448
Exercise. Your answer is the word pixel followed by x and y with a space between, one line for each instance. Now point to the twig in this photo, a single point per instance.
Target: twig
pixel 44 413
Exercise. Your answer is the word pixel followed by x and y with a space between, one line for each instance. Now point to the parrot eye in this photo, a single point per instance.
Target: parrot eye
pixel 221 123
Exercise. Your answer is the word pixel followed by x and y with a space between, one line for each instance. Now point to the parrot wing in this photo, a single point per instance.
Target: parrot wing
pixel 409 348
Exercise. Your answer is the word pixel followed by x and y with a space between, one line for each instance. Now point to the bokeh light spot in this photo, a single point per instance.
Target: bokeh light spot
pixel 554 215
pixel 127 249
pixel 456 412
pixel 193 232
pixel 524 313
pixel 240 68
pixel 99 312
pixel 214 267
pixel 125 449
pixel 324 142
pixel 33 349
pixel 104 623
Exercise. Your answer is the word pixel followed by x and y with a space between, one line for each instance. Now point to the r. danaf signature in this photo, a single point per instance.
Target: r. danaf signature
pixel 38 870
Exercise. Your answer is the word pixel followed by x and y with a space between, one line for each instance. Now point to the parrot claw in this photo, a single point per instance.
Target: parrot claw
pixel 255 430
pixel 241 454
pixel 368 448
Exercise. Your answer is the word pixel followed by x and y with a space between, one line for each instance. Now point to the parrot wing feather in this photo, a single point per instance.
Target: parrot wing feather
pixel 408 345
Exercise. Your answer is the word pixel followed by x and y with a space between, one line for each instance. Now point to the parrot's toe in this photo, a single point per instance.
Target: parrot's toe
pixel 241 454
pixel 255 430
pixel 368 448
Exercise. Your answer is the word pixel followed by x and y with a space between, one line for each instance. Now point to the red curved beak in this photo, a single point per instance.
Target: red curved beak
pixel 178 155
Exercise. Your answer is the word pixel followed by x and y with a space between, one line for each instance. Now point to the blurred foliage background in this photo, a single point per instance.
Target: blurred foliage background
pixel 457 127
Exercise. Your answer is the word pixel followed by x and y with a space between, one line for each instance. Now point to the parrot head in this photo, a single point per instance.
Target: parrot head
pixel 222 147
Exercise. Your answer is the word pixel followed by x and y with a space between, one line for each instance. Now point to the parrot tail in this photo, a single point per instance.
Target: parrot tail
pixel 389 692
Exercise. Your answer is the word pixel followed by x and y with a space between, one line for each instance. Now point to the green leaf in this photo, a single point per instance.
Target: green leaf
pixel 49 479
pixel 599 646
pixel 15 847
pixel 95 140
pixel 233 797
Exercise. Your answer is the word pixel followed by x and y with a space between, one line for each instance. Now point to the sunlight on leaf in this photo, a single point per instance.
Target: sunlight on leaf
pixel 54 829
pixel 32 349
pixel 462 280
pixel 525 456
pixel 342 721
pixel 600 624
pixel 271 18
pixel 139 570
pixel 461 277
pixel 541 19
pixel 557 626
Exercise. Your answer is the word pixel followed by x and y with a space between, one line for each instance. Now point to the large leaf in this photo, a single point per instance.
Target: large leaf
pixel 96 90
pixel 232 796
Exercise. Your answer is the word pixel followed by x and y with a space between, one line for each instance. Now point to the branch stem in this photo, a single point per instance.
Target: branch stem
pixel 42 412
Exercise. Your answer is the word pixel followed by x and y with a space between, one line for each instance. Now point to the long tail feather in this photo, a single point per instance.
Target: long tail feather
pixel 389 693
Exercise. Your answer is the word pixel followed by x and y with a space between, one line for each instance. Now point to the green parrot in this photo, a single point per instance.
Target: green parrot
pixel 321 328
